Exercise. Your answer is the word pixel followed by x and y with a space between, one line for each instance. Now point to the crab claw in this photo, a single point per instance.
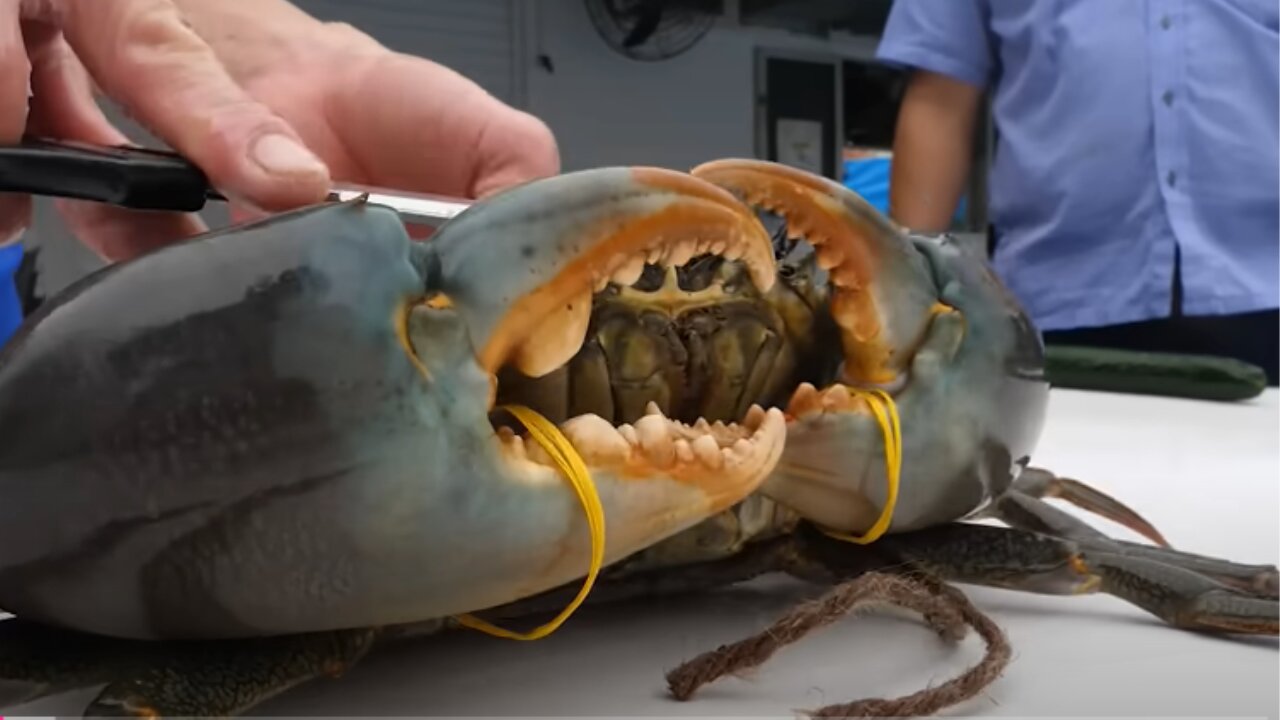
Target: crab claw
pixel 921 319
pixel 288 426
pixel 884 294
pixel 517 275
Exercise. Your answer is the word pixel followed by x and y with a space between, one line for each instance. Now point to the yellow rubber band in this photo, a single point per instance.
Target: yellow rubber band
pixel 886 412
pixel 546 434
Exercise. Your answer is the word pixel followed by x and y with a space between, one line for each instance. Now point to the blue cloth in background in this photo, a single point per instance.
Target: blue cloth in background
pixel 869 177
pixel 10 303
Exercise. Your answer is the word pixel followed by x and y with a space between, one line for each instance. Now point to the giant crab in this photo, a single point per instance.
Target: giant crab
pixel 237 463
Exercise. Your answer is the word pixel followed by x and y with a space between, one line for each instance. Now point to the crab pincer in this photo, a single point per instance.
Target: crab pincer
pixel 520 275
pixel 292 426
pixel 913 341
pixel 926 333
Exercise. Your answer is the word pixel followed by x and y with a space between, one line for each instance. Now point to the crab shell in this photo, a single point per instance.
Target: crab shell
pixel 286 426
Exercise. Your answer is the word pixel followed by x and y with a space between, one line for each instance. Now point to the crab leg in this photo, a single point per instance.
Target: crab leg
pixel 918 318
pixel 1167 583
pixel 1040 483
pixel 227 679
pixel 158 679
pixel 37 661
pixel 1035 515
pixel 1030 562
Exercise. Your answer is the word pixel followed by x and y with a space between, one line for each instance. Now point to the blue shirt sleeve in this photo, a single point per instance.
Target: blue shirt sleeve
pixel 948 37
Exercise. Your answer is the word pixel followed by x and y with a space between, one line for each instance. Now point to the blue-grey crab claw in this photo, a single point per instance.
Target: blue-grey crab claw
pixel 516 276
pixel 288 426
pixel 921 319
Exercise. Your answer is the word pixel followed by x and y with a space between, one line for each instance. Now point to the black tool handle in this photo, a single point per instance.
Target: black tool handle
pixel 131 177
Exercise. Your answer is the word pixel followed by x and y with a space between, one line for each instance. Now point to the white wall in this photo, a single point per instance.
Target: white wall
pixel 607 109
pixel 478 38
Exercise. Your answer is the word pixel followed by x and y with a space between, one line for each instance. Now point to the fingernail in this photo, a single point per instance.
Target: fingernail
pixel 281 155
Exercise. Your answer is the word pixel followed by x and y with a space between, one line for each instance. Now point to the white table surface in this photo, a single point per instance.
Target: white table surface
pixel 1206 474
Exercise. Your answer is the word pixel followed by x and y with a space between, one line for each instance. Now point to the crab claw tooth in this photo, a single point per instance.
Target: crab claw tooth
pixel 884 294
pixel 521 266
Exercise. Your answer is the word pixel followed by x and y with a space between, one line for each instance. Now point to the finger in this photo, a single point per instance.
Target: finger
pixel 62 102
pixel 514 147
pixel 15 217
pixel 15 210
pixel 15 74
pixel 143 55
pixel 448 137
pixel 63 107
pixel 117 234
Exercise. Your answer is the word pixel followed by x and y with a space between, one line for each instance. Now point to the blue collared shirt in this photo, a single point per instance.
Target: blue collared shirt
pixel 1126 129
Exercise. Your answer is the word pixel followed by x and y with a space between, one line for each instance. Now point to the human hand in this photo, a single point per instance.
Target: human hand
pixel 141 54
pixel 376 117
pixel 213 79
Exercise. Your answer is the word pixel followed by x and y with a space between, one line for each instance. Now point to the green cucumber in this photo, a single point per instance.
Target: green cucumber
pixel 1202 377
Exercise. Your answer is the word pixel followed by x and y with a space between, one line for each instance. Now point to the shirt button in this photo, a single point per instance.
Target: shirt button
pixel 1165 22
pixel 1171 178
pixel 1167 97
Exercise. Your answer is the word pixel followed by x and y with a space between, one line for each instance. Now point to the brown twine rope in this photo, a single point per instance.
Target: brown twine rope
pixel 947 611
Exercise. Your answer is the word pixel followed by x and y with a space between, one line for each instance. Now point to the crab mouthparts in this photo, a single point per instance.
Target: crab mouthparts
pixel 538 345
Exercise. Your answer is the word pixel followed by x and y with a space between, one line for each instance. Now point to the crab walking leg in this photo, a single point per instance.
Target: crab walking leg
pixel 1029 513
pixel 226 679
pixel 38 661
pixel 922 319
pixel 300 437
pixel 1029 562
pixel 1002 557
pixel 1040 483
pixel 167 679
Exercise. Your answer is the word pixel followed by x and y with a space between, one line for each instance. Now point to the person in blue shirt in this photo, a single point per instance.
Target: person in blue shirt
pixel 1134 190
pixel 270 102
